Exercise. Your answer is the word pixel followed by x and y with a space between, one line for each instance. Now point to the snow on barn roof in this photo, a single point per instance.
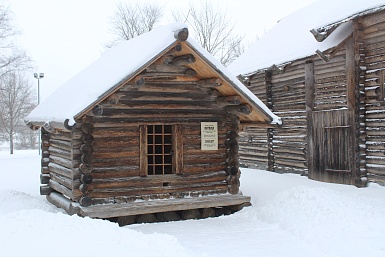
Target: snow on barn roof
pixel 117 65
pixel 290 39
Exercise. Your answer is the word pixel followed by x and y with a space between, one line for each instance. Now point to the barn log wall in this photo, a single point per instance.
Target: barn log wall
pixel 281 149
pixel 253 144
pixel 288 98
pixel 373 66
pixel 284 149
pixel 285 94
pixel 349 87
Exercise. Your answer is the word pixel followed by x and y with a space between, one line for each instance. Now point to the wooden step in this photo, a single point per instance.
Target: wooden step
pixel 161 205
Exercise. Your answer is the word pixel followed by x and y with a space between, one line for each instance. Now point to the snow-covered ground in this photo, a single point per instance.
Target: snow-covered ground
pixel 290 216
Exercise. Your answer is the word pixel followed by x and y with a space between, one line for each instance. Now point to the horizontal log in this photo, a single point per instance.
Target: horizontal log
pixel 183 60
pixel 289 156
pixel 115 132
pixel 65 181
pixel 297 164
pixel 208 83
pixel 165 68
pixel 243 108
pixel 116 162
pixel 168 106
pixel 128 209
pixel 159 181
pixel 228 100
pixel 116 142
pixel 66 136
pixel 64 162
pixel 62 202
pixel 59 126
pixel 195 168
pixel 165 96
pixel 112 172
pixel 60 152
pixel 63 171
pixel 103 193
pixel 45 190
pixel 72 194
pixel 109 123
pixel 65 145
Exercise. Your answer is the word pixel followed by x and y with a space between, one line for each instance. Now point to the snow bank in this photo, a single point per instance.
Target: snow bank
pixel 342 220
pixel 291 216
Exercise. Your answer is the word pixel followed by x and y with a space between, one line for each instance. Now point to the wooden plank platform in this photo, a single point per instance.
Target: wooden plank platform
pixel 164 205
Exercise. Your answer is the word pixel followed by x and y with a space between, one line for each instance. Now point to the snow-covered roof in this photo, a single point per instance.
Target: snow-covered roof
pixel 290 39
pixel 117 65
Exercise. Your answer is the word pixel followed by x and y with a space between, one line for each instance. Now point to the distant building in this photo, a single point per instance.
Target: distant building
pixel 322 70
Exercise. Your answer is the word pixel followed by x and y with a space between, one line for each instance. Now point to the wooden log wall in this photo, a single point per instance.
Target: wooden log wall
pixel 281 149
pixel 372 65
pixel 330 83
pixel 288 98
pixel 253 144
pixel 284 149
pixel 62 173
pixel 44 176
pixel 162 94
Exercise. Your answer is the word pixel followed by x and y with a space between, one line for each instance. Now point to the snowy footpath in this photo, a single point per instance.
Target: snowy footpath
pixel 291 216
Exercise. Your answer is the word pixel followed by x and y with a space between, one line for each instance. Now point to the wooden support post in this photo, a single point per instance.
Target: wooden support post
pixel 178 149
pixel 270 131
pixel 143 151
pixel 352 91
pixel 309 96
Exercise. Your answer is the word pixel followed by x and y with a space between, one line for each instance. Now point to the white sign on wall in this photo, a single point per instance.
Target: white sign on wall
pixel 209 136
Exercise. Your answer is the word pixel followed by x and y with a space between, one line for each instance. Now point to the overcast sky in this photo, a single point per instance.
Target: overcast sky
pixel 64 36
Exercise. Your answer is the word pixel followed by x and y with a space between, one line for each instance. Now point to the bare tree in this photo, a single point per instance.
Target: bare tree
pixel 11 57
pixel 16 101
pixel 130 21
pixel 213 29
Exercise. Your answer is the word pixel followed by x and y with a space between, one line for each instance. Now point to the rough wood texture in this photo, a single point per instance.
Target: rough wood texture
pixel 309 91
pixel 136 208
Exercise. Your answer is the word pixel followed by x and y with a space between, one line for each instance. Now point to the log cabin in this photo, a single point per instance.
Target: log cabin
pixel 148 132
pixel 325 79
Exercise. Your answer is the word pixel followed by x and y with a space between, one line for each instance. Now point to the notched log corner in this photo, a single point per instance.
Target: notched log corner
pixel 67 126
pixel 181 34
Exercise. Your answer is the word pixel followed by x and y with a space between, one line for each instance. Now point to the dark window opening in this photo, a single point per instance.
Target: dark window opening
pixel 159 149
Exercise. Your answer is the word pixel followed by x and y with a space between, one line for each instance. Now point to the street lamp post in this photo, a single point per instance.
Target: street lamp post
pixel 38 76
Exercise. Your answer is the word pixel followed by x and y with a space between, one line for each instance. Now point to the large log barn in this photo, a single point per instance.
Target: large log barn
pixel 149 132
pixel 322 70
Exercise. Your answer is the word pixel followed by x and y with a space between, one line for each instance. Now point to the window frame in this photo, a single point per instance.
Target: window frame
pixel 177 150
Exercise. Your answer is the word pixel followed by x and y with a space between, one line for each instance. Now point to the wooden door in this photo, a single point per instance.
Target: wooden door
pixel 332 153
